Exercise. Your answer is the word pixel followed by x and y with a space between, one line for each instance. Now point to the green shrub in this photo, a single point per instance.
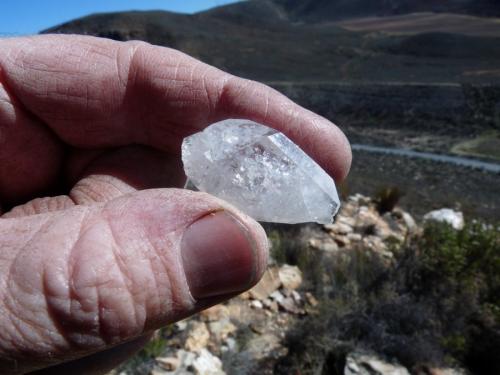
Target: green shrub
pixel 155 347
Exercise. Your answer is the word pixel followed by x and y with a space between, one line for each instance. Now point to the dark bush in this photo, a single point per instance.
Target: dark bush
pixel 387 198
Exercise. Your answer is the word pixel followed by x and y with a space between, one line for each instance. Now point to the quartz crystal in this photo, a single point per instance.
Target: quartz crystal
pixel 260 171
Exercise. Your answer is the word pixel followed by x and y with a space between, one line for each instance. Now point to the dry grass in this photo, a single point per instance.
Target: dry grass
pixel 487 145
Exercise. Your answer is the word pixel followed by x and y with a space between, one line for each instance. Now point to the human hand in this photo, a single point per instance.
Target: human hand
pixel 90 261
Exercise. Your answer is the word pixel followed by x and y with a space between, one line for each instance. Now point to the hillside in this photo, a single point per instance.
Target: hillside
pixel 255 39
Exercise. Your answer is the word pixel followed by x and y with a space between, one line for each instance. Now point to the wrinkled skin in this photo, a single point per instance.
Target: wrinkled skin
pixel 92 225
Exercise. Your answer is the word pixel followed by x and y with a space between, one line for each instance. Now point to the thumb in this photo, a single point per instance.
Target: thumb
pixel 78 281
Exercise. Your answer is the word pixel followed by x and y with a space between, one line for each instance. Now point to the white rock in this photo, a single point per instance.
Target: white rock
pixel 446 215
pixel 296 296
pixel 269 282
pixel 221 329
pixel 186 358
pixel 368 364
pixel 288 304
pixel 181 325
pixel 339 228
pixel 347 220
pixel 198 337
pixel 354 237
pixel 260 171
pixel 277 296
pixel 256 304
pixel 409 222
pixel 323 244
pixel 290 276
pixel 207 364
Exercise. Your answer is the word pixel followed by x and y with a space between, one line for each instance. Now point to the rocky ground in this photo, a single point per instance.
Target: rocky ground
pixel 247 335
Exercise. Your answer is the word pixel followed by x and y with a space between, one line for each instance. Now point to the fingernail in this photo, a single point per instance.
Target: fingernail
pixel 218 255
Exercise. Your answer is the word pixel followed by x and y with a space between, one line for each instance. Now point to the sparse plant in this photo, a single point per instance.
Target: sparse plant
pixel 387 198
pixel 144 360
pixel 156 346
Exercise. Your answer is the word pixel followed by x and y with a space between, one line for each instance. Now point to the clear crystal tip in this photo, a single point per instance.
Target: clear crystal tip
pixel 260 171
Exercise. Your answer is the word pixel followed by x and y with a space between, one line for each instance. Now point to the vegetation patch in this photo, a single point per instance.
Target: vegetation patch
pixel 487 145
pixel 437 305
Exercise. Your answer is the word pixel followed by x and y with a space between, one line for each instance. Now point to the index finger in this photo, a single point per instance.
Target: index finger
pixel 96 93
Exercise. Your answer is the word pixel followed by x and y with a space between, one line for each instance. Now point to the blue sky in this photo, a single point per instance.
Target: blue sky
pixel 18 17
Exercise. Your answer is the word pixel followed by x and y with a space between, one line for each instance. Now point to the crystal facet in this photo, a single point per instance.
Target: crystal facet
pixel 260 171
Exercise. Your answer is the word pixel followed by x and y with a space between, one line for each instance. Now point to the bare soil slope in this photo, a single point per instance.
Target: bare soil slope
pixel 328 10
pixel 416 23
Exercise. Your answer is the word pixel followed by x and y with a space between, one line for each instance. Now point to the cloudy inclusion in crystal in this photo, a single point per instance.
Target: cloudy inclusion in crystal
pixel 260 171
